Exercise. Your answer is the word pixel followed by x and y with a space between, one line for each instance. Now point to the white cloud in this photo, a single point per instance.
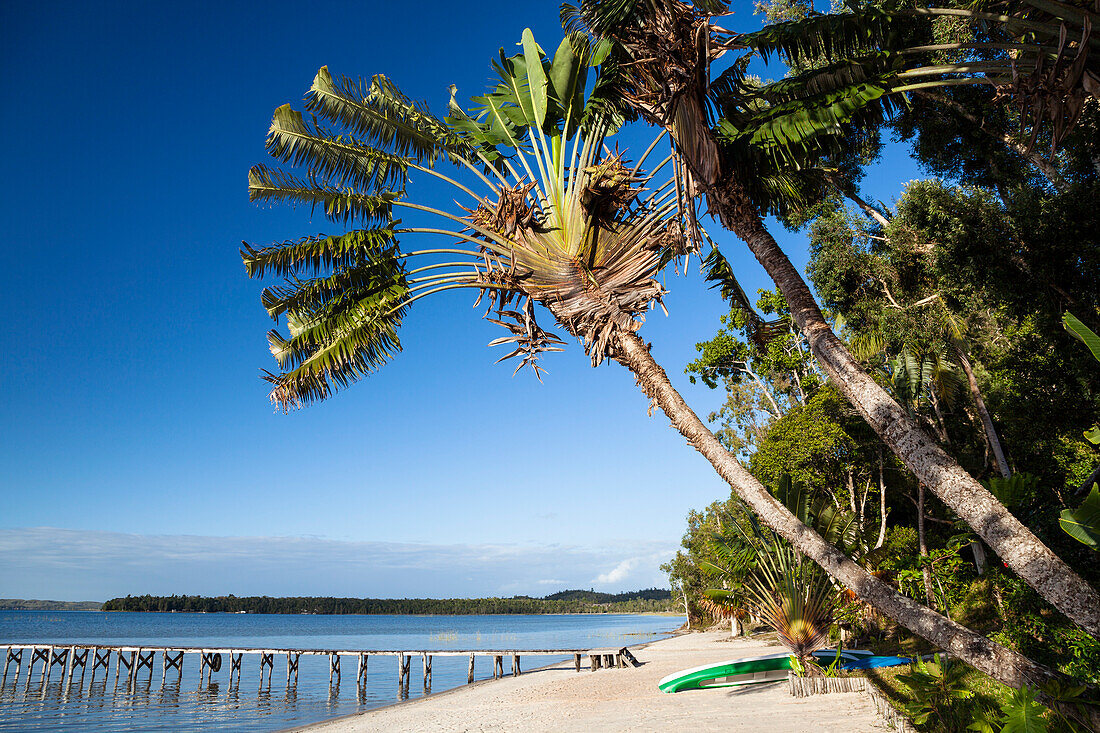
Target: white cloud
pixel 620 572
pixel 45 562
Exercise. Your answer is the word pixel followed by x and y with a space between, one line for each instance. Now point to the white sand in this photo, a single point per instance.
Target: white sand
pixel 559 698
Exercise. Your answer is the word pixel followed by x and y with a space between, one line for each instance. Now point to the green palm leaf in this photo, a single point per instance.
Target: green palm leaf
pixel 313 254
pixel 381 115
pixel 1083 523
pixel 339 204
pixel 1082 333
pixel 342 160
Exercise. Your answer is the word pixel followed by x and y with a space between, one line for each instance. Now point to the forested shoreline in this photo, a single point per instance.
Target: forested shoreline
pixel 570 601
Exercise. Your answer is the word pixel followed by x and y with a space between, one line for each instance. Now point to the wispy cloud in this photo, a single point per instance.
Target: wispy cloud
pixel 632 570
pixel 60 563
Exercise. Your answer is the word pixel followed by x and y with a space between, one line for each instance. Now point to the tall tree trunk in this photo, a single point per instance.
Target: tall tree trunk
pixel 983 413
pixel 926 571
pixel 976 650
pixel 881 504
pixel 1007 536
pixel 849 191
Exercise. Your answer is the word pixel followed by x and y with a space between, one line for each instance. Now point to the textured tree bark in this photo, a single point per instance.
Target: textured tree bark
pixel 976 650
pixel 983 413
pixel 1007 536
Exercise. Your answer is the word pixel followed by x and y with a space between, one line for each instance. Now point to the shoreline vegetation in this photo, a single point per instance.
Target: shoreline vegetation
pixel 24 604
pixel 650 600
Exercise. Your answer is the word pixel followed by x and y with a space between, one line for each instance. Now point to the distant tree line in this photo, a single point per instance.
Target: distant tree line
pixel 23 604
pixel 568 601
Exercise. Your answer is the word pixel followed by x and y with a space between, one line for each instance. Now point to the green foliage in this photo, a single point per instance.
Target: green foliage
pixel 1083 523
pixel 1087 336
pixel 570 601
pixel 1083 333
pixel 1022 714
pixel 1017 490
pixel 936 687
pixel 814 444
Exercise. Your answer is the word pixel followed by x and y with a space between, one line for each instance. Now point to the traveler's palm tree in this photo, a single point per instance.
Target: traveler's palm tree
pixel 727 132
pixel 760 571
pixel 553 219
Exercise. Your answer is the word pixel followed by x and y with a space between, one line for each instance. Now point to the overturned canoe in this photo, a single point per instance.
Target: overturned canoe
pixel 766 668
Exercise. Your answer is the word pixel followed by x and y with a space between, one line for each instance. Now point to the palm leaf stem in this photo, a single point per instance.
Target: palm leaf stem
pixel 440 265
pixel 477 286
pixel 477 172
pixel 548 191
pixel 1058 8
pixel 941 83
pixel 649 200
pixel 419 252
pixel 456 184
pixel 419 283
pixel 979 68
pixel 648 150
pixel 515 145
pixel 449 233
pixel 573 164
pixel 488 164
pixel 976 46
pixel 660 165
pixel 505 245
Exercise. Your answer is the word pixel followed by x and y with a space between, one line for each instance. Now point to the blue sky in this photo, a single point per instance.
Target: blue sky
pixel 138 452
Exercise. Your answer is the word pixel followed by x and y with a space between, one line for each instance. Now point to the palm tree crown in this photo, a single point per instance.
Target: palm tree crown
pixel 555 218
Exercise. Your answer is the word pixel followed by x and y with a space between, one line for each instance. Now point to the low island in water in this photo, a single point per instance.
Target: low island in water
pixel 651 600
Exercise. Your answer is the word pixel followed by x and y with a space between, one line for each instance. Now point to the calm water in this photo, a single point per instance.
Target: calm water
pixel 185 705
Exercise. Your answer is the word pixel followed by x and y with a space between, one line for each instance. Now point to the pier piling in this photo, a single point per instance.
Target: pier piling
pixel 235 667
pixel 361 671
pixel 292 666
pixel 17 656
pixel 333 668
pixel 267 659
pixel 135 659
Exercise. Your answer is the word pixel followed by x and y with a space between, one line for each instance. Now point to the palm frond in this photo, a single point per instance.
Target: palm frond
pixel 382 116
pixel 312 254
pixel 831 36
pixel 342 160
pixel 793 598
pixel 344 340
pixel 338 204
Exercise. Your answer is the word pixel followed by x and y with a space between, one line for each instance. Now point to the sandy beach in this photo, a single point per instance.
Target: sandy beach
pixel 559 698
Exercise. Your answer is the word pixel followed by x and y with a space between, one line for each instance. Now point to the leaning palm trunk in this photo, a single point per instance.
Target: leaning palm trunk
pixel 976 650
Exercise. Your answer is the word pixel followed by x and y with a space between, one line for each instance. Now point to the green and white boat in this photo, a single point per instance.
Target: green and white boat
pixel 747 670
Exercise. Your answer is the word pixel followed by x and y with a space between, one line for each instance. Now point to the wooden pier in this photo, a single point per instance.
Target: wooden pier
pixel 131 660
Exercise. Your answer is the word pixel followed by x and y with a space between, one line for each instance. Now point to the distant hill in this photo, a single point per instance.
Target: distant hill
pixel 568 601
pixel 22 604
pixel 590 596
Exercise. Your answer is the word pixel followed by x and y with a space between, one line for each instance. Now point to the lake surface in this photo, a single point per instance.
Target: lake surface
pixel 184 704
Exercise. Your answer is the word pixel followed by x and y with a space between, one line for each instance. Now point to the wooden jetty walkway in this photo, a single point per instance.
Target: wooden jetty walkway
pixel 133 659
